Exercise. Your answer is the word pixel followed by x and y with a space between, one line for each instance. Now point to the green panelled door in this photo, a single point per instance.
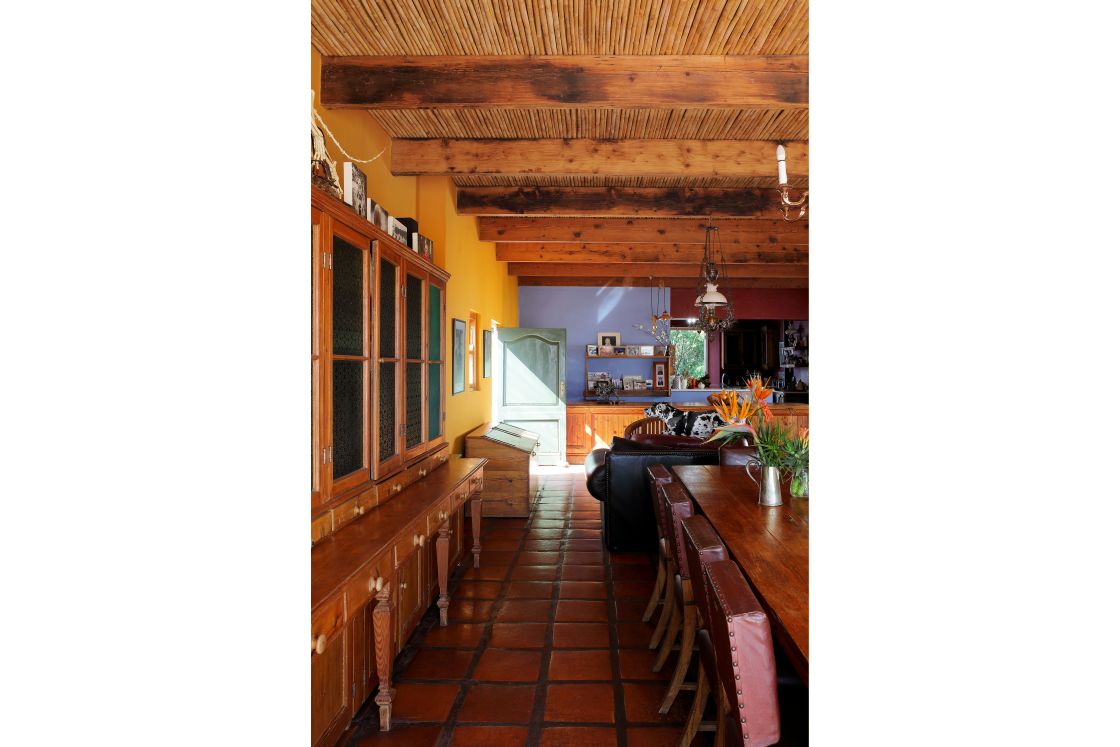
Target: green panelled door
pixel 530 381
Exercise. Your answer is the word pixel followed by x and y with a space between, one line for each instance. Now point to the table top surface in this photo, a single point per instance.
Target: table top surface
pixel 770 544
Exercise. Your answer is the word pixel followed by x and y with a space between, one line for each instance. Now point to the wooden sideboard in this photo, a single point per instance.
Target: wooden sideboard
pixel 372 581
pixel 592 426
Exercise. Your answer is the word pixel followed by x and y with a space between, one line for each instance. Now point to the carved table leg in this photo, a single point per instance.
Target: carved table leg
pixel 383 651
pixel 442 543
pixel 476 525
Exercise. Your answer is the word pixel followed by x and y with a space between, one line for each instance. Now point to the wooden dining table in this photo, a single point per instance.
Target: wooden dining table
pixel 770 544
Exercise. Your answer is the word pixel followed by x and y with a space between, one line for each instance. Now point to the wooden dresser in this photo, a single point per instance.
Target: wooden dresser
pixel 509 451
pixel 388 502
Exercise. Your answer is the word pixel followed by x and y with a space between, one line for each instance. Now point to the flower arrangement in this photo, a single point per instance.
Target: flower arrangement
pixel 797 463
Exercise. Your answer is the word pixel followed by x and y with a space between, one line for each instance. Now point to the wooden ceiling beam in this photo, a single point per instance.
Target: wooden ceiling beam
pixel 652 270
pixel 732 233
pixel 566 82
pixel 630 158
pixel 632 201
pixel 623 252
pixel 628 282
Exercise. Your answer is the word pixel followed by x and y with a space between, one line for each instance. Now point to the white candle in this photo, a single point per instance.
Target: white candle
pixel 781 164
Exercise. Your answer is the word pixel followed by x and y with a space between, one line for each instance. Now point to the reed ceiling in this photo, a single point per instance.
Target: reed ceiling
pixel 474 28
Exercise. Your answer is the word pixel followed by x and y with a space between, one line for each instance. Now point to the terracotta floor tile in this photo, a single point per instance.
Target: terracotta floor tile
pixel 583 590
pixel 416 701
pixel 543 545
pixel 583 573
pixel 535 572
pixel 501 703
pixel 486 573
pixel 518 635
pixel 581 610
pixel 586 524
pixel 504 665
pixel 649 736
pixel 490 736
pixel 642 702
pixel 496 558
pixel 401 735
pixel 632 590
pixel 530 590
pixel 502 543
pixel 634 634
pixel 539 558
pixel 547 523
pixel 634 573
pixel 580 736
pixel 584 558
pixel 580 665
pixel 505 533
pixel 580 703
pixel 471 589
pixel 439 664
pixel 630 610
pixel 545 534
pixel 455 635
pixel 586 534
pixel 525 610
pixel 582 635
pixel 637 664
pixel 470 610
pixel 583 545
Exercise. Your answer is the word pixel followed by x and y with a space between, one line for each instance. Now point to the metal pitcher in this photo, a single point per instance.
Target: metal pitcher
pixel 770 485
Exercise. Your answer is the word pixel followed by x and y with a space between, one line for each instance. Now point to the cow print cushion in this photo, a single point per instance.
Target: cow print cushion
pixel 682 423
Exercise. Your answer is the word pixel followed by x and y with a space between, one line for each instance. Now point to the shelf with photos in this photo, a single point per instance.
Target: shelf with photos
pixel 628 384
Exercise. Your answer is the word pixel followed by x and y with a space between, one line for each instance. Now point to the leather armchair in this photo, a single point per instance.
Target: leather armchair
pixel 617 477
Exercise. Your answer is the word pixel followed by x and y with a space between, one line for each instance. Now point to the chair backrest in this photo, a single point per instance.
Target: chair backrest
pixel 659 474
pixel 645 425
pixel 744 652
pixel 677 505
pixel 701 546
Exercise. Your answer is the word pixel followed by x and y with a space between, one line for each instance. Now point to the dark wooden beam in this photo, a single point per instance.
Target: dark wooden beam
pixel 650 270
pixel 569 82
pixel 732 233
pixel 622 252
pixel 626 282
pixel 632 201
pixel 654 158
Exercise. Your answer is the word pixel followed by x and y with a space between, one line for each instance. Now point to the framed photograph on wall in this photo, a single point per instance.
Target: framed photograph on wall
pixel 458 356
pixel 658 375
pixel 486 353
pixel 608 339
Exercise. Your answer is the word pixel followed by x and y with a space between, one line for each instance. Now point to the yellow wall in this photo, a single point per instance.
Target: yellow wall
pixel 478 282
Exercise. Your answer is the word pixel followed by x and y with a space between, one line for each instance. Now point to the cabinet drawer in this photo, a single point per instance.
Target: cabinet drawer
pixel 320 527
pixel 438 514
pixel 411 541
pixel 364 586
pixel 353 508
pixel 326 621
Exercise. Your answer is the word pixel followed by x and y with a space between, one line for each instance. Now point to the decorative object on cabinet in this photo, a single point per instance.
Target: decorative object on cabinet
pixel 397 229
pixel 658 375
pixel 611 339
pixel 354 187
pixel 412 228
pixel 324 174
pixel 379 218
pixel 487 347
pixel 592 350
pixel 630 384
pixel 509 451
pixel 604 351
pixel 458 356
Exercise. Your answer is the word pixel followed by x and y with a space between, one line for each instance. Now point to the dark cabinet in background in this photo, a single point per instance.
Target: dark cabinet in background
pixel 749 346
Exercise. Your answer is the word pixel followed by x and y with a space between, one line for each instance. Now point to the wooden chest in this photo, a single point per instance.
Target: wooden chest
pixel 510 450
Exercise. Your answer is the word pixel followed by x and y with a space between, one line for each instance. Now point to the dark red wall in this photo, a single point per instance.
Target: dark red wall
pixel 750 303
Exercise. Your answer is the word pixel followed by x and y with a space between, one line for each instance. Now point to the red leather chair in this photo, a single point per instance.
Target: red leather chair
pixel 744 653
pixel 702 545
pixel 658 474
pixel 677 506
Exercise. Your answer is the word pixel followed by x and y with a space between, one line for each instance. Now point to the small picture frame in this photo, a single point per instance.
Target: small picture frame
pixel 605 352
pixel 627 384
pixel 611 339
pixel 646 350
pixel 486 343
pixel 592 351
pixel 458 356
pixel 633 351
pixel 620 350
pixel 658 375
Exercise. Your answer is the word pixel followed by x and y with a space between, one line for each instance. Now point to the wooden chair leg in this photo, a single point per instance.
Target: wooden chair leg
pixel 696 713
pixel 669 606
pixel 721 725
pixel 658 588
pixel 670 639
pixel 684 658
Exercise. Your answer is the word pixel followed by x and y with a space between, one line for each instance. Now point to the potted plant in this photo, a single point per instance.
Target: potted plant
pixel 797 463
pixel 749 413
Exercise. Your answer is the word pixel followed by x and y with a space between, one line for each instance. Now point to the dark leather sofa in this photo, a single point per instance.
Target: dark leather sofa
pixel 617 477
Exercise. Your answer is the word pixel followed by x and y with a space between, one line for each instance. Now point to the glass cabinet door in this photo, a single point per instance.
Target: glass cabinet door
pixel 348 452
pixel 415 283
pixel 435 359
pixel 387 454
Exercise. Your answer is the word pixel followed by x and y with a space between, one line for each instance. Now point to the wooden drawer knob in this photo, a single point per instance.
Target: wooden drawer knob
pixel 397 488
pixel 403 586
pixel 319 645
pixel 359 510
pixel 423 472
pixel 421 538
pixel 375 584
